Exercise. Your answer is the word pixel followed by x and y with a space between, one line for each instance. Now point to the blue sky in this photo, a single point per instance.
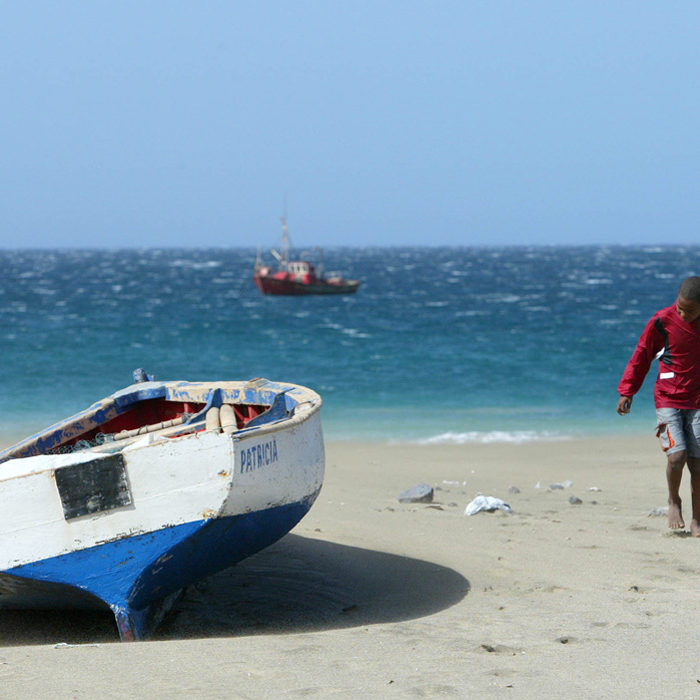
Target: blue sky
pixel 379 122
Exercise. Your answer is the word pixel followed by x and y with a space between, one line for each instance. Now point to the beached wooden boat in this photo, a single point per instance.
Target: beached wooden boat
pixel 297 277
pixel 147 491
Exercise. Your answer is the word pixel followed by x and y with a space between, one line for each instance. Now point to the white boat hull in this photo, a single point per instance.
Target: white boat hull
pixel 131 528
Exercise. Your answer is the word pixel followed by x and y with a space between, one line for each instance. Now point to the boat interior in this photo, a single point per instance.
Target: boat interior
pixel 109 426
pixel 152 415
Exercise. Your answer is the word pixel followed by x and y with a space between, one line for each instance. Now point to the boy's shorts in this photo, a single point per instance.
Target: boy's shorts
pixel 679 429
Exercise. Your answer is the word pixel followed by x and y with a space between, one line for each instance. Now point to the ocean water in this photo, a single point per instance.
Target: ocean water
pixel 438 345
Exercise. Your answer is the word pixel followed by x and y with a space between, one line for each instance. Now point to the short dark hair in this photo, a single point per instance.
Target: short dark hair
pixel 690 289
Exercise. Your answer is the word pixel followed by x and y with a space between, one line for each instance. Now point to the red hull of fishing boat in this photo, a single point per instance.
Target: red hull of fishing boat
pixel 283 285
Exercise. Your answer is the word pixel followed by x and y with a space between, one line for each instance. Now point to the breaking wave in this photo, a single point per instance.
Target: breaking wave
pixel 491 436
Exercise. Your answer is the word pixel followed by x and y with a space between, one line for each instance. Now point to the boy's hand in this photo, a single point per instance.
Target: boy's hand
pixel 624 405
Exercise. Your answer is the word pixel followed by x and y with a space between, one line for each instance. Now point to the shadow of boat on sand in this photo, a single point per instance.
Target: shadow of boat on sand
pixel 297 585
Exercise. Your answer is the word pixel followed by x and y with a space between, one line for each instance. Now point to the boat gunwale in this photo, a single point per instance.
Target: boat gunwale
pixel 294 391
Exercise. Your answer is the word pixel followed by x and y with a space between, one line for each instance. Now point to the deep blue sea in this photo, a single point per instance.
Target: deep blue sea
pixel 438 345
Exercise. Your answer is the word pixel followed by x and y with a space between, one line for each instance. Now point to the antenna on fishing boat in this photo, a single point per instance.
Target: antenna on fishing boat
pixel 285 241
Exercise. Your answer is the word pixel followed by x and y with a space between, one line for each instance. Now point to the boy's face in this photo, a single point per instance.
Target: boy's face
pixel 688 310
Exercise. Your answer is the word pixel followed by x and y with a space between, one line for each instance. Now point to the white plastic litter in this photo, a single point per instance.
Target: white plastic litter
pixel 487 503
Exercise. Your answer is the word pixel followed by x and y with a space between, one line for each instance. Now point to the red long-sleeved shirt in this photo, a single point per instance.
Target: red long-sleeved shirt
pixel 677 344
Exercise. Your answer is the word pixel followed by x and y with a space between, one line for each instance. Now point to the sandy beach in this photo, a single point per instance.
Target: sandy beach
pixel 372 597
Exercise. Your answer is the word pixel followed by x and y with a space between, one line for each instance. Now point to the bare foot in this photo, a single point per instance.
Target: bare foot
pixel 675 518
pixel 694 528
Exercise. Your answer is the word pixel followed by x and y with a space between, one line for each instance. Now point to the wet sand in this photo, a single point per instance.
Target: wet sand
pixel 372 597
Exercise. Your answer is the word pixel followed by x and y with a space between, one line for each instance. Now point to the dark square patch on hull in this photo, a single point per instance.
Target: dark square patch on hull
pixel 93 487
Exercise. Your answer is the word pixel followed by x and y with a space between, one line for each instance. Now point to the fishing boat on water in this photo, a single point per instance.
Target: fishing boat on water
pixel 161 484
pixel 297 277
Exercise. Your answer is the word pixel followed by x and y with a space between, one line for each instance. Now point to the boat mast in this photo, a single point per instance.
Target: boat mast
pixel 285 243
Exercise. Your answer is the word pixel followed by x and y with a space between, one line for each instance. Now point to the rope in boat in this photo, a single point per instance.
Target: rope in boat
pixel 105 438
pixel 216 419
pixel 144 429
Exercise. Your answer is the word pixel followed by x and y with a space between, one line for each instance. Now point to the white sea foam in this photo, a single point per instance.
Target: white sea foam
pixel 471 312
pixel 488 437
pixel 505 298
pixel 355 333
pixel 195 265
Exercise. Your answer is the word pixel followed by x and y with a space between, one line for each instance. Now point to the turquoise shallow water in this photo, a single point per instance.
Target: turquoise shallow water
pixel 438 345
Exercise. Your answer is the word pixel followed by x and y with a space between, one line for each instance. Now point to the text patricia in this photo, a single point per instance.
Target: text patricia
pixel 258 456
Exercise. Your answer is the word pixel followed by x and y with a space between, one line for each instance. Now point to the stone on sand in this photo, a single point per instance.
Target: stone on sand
pixel 420 493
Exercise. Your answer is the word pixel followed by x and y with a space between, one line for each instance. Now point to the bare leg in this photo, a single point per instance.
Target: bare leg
pixel 674 473
pixel 694 468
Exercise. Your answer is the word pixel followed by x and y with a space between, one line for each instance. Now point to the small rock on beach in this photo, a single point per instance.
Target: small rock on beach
pixel 420 493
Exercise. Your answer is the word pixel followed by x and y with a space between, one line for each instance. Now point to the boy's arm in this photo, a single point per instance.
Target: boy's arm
pixel 651 342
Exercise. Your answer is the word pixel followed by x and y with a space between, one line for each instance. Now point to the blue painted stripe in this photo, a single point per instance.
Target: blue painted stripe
pixel 132 574
pixel 109 570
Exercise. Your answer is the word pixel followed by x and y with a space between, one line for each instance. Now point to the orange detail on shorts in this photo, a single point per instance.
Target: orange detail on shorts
pixel 659 433
pixel 671 443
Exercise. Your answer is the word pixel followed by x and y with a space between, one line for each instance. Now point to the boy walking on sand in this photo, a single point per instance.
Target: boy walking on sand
pixel 673 336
